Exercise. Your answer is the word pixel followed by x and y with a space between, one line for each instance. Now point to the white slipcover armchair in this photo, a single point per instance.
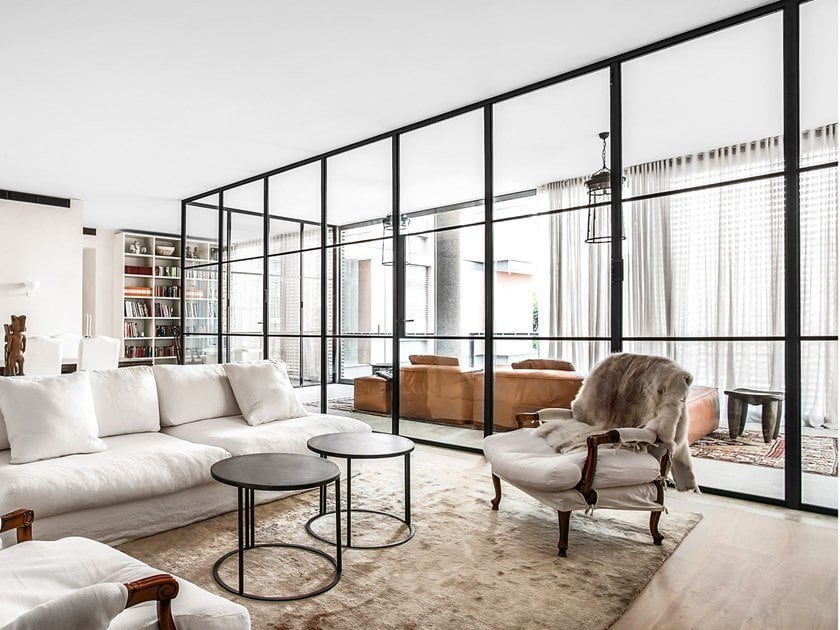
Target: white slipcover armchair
pixel 613 478
pixel 77 583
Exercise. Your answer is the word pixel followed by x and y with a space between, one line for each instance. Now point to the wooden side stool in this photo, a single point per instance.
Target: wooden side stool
pixel 738 402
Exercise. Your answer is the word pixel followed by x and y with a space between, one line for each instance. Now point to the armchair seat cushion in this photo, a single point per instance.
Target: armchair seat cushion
pixel 527 461
pixel 36 572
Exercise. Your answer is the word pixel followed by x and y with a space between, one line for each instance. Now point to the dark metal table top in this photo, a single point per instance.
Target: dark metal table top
pixel 275 471
pixel 360 445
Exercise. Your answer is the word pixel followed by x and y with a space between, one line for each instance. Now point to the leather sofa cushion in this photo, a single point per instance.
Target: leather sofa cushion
pixel 543 364
pixel 136 466
pixel 281 436
pixel 432 359
pixel 527 461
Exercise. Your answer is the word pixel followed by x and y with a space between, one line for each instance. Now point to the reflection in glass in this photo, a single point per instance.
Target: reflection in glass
pixel 819 423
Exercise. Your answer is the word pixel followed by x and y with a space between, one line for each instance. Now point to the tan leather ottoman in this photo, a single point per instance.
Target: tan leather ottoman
pixel 703 406
pixel 372 393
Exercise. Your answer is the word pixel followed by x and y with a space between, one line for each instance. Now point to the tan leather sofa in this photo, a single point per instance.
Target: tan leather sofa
pixel 526 386
pixel 437 388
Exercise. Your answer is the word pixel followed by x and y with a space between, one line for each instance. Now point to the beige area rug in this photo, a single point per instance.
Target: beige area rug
pixel 466 567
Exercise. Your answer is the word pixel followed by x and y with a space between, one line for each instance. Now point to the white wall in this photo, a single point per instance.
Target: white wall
pixel 43 244
pixel 99 285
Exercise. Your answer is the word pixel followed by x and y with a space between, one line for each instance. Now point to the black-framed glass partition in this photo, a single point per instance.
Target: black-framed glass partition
pixel 439 278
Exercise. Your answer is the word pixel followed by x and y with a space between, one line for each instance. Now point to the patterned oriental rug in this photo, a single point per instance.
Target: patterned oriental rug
pixel 819 454
pixel 466 567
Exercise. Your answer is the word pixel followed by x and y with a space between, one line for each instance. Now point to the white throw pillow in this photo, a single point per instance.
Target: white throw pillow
pixel 264 392
pixel 187 393
pixel 4 437
pixel 126 400
pixel 50 417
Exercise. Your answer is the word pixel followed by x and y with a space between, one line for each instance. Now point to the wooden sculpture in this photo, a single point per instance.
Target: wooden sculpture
pixel 15 346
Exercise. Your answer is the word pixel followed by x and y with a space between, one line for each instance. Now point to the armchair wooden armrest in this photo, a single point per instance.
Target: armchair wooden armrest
pixel 161 588
pixel 527 420
pixel 21 520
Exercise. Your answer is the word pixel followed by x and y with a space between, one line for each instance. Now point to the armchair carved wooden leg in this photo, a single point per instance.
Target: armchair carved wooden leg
pixel 655 515
pixel 497 487
pixel 162 588
pixel 21 520
pixel 563 542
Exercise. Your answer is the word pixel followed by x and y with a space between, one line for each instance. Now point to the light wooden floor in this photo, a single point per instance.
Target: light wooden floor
pixel 744 566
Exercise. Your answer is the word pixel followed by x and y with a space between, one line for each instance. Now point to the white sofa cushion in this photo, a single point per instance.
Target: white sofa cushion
pixel 525 459
pixel 136 466
pixel 264 392
pixel 49 417
pixel 126 400
pixel 193 392
pixel 38 571
pixel 4 437
pixel 283 436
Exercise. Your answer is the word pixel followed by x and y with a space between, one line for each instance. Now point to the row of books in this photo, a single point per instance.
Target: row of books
pixel 172 291
pixel 196 309
pixel 147 352
pixel 138 291
pixel 165 331
pixel 134 329
pixel 136 270
pixel 136 309
pixel 200 274
pixel 193 292
pixel 166 272
pixel 164 310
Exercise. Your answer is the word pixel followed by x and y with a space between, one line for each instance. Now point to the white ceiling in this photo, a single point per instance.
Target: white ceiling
pixel 132 106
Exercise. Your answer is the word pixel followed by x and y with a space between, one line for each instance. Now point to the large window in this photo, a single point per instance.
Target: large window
pixel 407 278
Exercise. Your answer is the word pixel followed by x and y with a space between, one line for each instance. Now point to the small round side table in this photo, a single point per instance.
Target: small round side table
pixel 352 446
pixel 275 472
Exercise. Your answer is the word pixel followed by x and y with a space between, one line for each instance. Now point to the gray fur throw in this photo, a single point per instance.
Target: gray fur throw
pixel 631 391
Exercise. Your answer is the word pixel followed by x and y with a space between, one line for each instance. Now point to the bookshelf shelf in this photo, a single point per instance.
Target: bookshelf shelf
pixel 146 323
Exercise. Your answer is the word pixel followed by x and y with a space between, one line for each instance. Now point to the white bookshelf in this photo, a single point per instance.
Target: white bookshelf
pixel 147 279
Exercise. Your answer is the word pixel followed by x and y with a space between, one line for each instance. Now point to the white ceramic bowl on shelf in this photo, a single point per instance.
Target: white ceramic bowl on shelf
pixel 164 250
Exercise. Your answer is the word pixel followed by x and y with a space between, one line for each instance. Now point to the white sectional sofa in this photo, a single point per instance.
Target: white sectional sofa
pixel 164 427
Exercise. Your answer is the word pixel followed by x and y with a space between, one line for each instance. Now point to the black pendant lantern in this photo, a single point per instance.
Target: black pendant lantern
pixel 387 233
pixel 599 189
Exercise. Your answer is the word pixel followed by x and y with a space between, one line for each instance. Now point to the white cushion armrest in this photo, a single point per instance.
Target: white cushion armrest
pixel 555 414
pixel 92 607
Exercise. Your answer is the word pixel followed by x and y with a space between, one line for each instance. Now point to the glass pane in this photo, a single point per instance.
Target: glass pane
pixel 726 430
pixel 201 291
pixel 291 236
pixel 200 349
pixel 296 194
pixel 548 281
pixel 818 248
pixel 536 374
pixel 243 234
pixel 819 423
pixel 442 173
pixel 548 137
pixel 302 356
pixel 242 349
pixel 438 381
pixel 359 190
pixel 818 70
pixel 242 300
pixel 202 231
pixel 444 283
pixel 706 263
pixel 705 111
pixel 365 289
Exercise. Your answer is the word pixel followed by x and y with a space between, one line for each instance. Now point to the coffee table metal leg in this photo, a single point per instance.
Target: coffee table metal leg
pixel 407 466
pixel 240 516
pixel 253 520
pixel 322 496
pixel 349 507
pixel 337 525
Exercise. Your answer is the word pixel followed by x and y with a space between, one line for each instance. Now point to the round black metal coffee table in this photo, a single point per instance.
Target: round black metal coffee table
pixel 274 472
pixel 352 446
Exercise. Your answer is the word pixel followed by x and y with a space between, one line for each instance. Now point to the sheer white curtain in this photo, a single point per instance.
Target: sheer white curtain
pixel 579 282
pixel 707 263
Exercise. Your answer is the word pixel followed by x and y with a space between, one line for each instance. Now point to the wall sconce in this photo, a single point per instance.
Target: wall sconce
pixel 30 287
